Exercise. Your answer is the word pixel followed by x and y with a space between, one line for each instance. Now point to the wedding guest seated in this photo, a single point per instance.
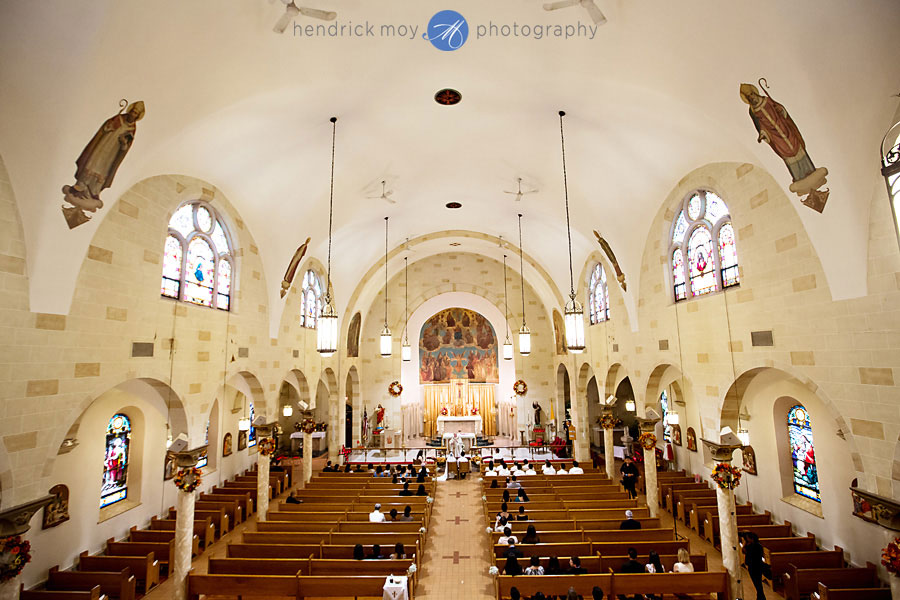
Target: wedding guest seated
pixel 358 552
pixel 562 470
pixel 503 471
pixel 405 491
pixel 512 566
pixel 494 484
pixel 376 553
pixel 501 524
pixel 521 496
pixel 631 565
pixel 629 522
pixel 506 495
pixel 513 551
pixel 575 567
pixel 347 468
pixel 328 468
pixel 491 472
pixel 507 537
pixel 377 471
pixel 517 471
pixel 407 514
pixel 529 470
pixel 553 567
pixel 393 514
pixel 420 478
pixel 504 511
pixel 576 470
pixel 513 484
pixel 654 565
pixel 420 491
pixel 548 468
pixel 515 594
pixel 399 552
pixel 597 593
pixel 376 516
pixel 292 499
pixel 531 536
pixel 370 467
pixel 534 568
pixel 521 516
pixel 684 564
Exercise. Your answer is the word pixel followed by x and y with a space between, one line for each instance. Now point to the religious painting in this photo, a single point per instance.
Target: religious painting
pixel 676 434
pixel 169 466
pixel 458 343
pixel 749 458
pixel 691 439
pixel 353 336
pixel 57 511
pixel 559 333
pixel 242 440
pixel 862 507
pixel 226 445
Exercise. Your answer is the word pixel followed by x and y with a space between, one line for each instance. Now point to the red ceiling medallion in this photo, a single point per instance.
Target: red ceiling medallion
pixel 447 97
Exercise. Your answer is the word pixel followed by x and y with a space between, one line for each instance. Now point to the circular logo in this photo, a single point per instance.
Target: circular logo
pixel 447 31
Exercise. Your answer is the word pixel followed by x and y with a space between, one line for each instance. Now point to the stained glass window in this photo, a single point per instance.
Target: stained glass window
pixel 197 266
pixel 703 250
pixel 204 457
pixel 664 405
pixel 312 300
pixel 803 456
pixel 115 462
pixel 251 436
pixel 598 295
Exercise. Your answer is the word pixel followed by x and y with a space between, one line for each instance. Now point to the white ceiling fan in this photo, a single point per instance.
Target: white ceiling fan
pixel 518 194
pixel 385 194
pixel 596 14
pixel 291 10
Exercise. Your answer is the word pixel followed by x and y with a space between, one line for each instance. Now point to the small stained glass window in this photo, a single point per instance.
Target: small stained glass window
pixel 251 436
pixel 197 265
pixel 598 295
pixel 728 256
pixel 700 256
pixel 681 226
pixel 664 405
pixel 204 456
pixel 803 454
pixel 312 300
pixel 115 463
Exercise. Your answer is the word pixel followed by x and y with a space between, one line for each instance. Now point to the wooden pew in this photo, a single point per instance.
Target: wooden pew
pixel 241 486
pixel 745 522
pixel 815 559
pixel 321 528
pixel 668 491
pixel 607 524
pixel 203 528
pixel 241 585
pixel 803 582
pixel 317 586
pixel 92 594
pixel 700 514
pixel 245 500
pixel 232 508
pixel 144 568
pixel 163 551
pixel 686 498
pixel 559 525
pixel 643 547
pixel 715 582
pixel 120 585
pixel 258 566
pixel 364 527
pixel 549 537
pixel 553 585
pixel 631 535
pixel 639 512
pixel 309 517
pixel 613 563
pixel 345 551
pixel 562 549
pixel 826 593
pixel 222 523
pixel 147 535
pixel 790 544
pixel 268 551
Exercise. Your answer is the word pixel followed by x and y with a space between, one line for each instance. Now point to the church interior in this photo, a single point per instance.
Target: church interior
pixel 450 242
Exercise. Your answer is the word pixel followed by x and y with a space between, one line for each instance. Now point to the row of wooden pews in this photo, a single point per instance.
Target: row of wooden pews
pixel 800 569
pixel 307 550
pixel 134 566
pixel 579 515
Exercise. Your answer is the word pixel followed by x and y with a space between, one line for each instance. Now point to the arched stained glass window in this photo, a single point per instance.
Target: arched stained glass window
pixel 197 264
pixel 664 405
pixel 598 295
pixel 251 436
pixel 803 455
pixel 702 249
pixel 312 300
pixel 115 461
pixel 204 457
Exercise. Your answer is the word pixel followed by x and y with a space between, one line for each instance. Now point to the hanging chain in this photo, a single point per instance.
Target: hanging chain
pixel 562 137
pixel 505 300
pixel 406 295
pixel 521 270
pixel 385 270
pixel 330 211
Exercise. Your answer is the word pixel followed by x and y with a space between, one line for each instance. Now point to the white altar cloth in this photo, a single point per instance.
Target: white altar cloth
pixel 449 424
pixel 395 588
pixel 468 440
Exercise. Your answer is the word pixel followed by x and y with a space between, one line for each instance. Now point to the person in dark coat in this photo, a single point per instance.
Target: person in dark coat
pixel 629 522
pixel 630 475
pixel 753 559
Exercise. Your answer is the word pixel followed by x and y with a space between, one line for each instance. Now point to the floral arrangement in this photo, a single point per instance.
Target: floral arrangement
pixel 520 387
pixel 608 421
pixel 266 447
pixel 422 530
pixel 19 552
pixel 444 412
pixel 429 500
pixel 647 441
pixel 474 410
pixel 308 425
pixel 188 479
pixel 488 530
pixel 395 389
pixel 493 571
pixel 411 570
pixel 726 476
pixel 890 557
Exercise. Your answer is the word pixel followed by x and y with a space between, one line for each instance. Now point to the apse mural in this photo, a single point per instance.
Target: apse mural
pixel 458 343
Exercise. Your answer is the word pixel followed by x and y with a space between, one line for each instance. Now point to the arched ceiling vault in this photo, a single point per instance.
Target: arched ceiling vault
pixel 651 97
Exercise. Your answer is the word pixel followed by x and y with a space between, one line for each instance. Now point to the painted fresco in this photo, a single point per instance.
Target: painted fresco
pixel 458 343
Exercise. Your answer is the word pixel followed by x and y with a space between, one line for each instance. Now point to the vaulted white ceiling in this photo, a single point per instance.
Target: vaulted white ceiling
pixel 653 96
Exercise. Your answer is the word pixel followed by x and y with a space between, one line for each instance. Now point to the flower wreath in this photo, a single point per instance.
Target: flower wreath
pixel 266 447
pixel 444 412
pixel 188 479
pixel 308 425
pixel 520 388
pixel 890 556
pixel 647 441
pixel 726 476
pixel 608 421
pixel 19 555
pixel 395 389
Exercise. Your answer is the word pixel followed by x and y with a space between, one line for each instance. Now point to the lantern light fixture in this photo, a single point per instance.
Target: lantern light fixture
pixel 629 405
pixel 574 313
pixel 507 345
pixel 287 410
pixel 524 332
pixel 327 324
pixel 405 348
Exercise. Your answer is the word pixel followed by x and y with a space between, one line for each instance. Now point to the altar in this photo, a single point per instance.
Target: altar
pixel 468 440
pixel 451 425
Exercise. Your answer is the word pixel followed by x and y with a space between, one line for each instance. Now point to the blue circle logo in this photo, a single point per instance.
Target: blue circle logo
pixel 447 31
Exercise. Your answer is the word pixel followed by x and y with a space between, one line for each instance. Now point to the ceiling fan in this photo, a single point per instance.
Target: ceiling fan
pixel 291 10
pixel 385 194
pixel 596 15
pixel 519 193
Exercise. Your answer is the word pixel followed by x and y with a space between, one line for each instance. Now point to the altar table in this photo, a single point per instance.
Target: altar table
pixel 450 424
pixel 467 438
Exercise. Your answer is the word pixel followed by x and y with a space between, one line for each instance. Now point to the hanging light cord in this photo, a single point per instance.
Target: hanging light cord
pixel 505 300
pixel 406 296
pixel 562 137
pixel 521 269
pixel 330 210
pixel 385 270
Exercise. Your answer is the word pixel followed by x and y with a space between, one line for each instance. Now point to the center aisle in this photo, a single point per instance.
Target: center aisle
pixel 455 566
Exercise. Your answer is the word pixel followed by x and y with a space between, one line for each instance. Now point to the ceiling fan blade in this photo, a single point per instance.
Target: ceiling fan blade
pixel 290 12
pixel 560 4
pixel 315 13
pixel 596 14
pixel 390 200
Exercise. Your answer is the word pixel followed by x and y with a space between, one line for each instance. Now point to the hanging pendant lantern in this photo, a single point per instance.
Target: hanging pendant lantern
pixel 386 339
pixel 524 332
pixel 629 405
pixel 574 313
pixel 327 325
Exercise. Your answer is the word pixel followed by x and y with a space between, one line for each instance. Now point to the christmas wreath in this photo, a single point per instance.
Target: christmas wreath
pixel 308 425
pixel 188 479
pixel 726 476
pixel 647 441
pixel 608 421
pixel 520 388
pixel 266 447
pixel 19 554
pixel 890 556
pixel 395 389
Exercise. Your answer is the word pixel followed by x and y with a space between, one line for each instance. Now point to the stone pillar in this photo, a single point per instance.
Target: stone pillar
pixel 648 426
pixel 608 424
pixel 335 430
pixel 180 564
pixel 307 456
pixel 728 531
pixel 14 522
